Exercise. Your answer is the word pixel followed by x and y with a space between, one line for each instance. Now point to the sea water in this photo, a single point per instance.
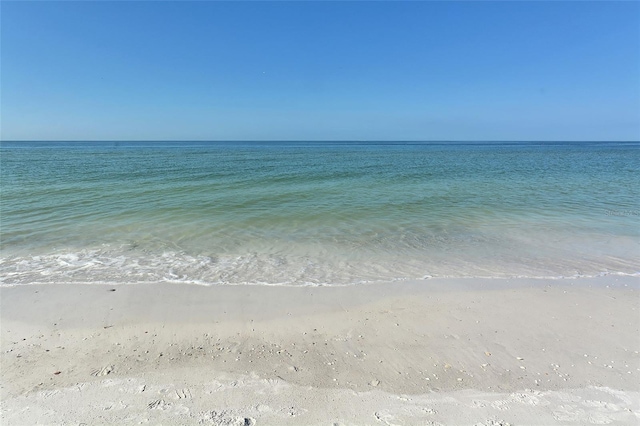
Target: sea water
pixel 315 213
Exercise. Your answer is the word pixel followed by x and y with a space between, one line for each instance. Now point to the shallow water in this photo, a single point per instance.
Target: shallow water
pixel 316 213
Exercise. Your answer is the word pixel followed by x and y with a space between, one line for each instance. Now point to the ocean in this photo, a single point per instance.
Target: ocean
pixel 316 213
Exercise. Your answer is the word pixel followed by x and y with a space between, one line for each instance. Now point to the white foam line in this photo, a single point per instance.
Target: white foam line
pixel 321 284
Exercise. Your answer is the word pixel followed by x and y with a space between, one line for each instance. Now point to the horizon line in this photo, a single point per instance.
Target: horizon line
pixel 322 140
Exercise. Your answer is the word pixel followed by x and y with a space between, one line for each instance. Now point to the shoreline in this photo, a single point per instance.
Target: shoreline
pixel 462 351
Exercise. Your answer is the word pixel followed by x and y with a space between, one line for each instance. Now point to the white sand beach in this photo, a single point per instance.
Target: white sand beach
pixel 440 351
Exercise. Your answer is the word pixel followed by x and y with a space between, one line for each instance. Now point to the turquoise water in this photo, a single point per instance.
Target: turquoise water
pixel 316 213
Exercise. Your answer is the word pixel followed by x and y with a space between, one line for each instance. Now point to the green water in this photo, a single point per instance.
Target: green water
pixel 316 213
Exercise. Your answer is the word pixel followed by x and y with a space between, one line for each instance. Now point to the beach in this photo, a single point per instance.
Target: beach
pixel 320 213
pixel 307 283
pixel 437 351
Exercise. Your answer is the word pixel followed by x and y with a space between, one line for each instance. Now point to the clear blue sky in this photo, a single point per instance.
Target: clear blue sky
pixel 320 71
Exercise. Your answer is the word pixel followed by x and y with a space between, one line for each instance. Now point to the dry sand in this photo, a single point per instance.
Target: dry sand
pixel 440 351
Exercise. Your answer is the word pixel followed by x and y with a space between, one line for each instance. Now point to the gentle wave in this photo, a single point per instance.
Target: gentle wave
pixel 126 265
pixel 314 213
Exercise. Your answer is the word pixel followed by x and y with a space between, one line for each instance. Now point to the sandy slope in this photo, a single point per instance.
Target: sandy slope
pixel 432 352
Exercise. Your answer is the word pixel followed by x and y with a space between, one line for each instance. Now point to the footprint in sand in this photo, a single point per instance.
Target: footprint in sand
pixel 384 417
pixel 103 371
pixel 224 418
pixel 49 393
pixel 158 404
pixel 500 405
pixel 183 393
pixel 493 422
pixel 524 398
